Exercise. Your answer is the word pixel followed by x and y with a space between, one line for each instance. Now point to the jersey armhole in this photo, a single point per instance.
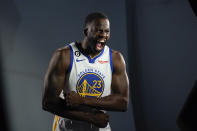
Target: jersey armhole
pixel 71 59
pixel 111 63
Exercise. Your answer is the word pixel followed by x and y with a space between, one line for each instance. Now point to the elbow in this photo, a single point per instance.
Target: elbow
pixel 48 102
pixel 45 105
pixel 125 103
pixel 125 108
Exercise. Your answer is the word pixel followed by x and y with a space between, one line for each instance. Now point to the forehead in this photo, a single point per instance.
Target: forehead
pixel 100 23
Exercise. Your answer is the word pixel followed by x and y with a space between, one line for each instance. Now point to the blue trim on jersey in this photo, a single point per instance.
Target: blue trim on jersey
pixel 111 63
pixel 92 60
pixel 71 59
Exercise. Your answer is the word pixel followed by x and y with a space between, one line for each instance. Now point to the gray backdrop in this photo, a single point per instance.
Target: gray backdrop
pixel 30 32
pixel 156 37
pixel 165 66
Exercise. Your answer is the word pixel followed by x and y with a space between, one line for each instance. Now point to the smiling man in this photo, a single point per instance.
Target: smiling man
pixel 86 79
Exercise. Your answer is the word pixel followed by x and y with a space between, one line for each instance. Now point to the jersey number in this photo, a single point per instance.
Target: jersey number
pixel 97 84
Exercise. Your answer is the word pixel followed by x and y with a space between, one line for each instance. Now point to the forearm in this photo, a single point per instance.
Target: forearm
pixel 58 107
pixel 75 115
pixel 113 102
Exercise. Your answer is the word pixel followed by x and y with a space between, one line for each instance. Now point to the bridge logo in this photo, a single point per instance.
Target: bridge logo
pixel 90 85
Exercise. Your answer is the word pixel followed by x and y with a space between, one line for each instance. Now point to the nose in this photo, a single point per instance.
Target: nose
pixel 103 34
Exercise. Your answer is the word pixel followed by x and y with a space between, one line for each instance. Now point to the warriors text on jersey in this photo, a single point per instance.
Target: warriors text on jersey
pixel 89 77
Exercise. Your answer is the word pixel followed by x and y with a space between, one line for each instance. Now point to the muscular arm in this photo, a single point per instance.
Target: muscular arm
pixel 54 83
pixel 118 100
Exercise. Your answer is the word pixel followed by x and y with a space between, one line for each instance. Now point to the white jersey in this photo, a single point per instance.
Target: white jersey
pixel 88 77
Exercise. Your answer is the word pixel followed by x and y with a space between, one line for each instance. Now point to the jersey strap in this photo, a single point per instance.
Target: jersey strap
pixel 92 60
pixel 111 63
pixel 71 59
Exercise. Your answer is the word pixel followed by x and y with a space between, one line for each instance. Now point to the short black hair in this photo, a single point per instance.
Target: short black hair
pixel 92 16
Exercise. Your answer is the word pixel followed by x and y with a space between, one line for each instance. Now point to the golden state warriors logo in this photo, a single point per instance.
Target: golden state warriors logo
pixel 90 85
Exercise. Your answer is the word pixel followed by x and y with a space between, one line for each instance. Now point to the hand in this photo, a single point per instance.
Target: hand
pixel 100 119
pixel 73 99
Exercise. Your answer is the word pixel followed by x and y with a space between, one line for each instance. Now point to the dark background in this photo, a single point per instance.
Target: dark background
pixel 156 37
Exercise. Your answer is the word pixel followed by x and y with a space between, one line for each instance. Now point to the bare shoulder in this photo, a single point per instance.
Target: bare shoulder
pixel 63 50
pixel 118 61
pixel 117 57
pixel 61 58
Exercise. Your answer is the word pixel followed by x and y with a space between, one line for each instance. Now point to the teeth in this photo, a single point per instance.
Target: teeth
pixel 101 41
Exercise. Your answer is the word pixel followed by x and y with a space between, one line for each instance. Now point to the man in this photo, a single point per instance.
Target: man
pixel 86 79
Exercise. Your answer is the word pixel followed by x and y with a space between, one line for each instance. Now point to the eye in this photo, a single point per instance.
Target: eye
pixel 107 31
pixel 100 31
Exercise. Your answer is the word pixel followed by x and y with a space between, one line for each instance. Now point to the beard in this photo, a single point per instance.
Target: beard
pixel 91 46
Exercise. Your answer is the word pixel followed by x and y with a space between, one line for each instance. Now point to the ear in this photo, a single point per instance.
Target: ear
pixel 85 31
